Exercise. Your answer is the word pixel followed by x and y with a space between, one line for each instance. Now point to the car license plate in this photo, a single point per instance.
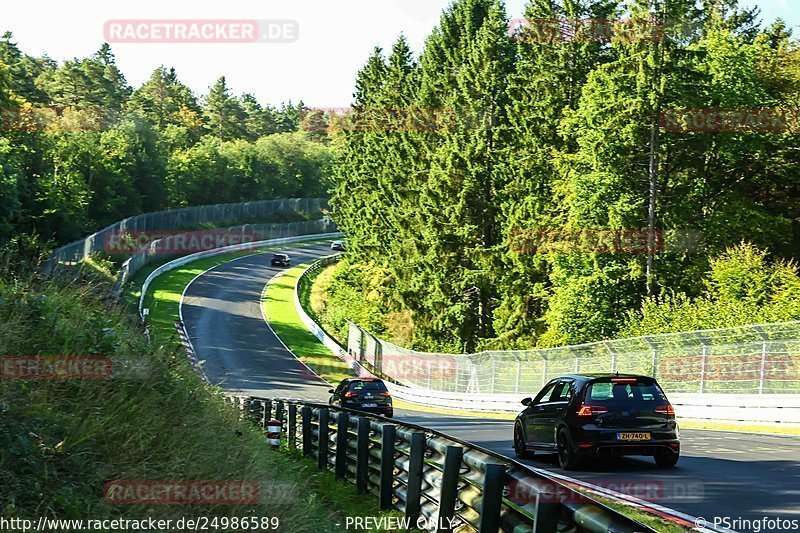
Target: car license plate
pixel 633 436
pixel 369 405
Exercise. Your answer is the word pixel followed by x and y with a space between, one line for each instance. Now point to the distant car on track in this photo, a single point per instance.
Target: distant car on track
pixel 363 394
pixel 583 416
pixel 281 260
pixel 339 246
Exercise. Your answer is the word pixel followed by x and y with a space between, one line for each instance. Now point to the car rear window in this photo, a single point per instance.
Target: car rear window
pixel 622 390
pixel 368 385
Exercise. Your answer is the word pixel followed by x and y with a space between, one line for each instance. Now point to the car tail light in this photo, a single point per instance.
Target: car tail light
pixel 591 410
pixel 351 394
pixel 665 410
pixel 624 380
pixel 384 393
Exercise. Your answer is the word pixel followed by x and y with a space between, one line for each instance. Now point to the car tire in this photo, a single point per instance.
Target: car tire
pixel 666 458
pixel 519 444
pixel 566 453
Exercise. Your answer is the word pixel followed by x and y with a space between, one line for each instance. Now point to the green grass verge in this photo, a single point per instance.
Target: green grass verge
pixel 280 311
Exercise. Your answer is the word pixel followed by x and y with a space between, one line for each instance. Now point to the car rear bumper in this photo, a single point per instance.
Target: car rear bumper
pixel 608 442
pixel 618 449
pixel 380 410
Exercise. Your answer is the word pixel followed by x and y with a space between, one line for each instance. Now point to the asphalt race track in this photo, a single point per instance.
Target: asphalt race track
pixel 720 474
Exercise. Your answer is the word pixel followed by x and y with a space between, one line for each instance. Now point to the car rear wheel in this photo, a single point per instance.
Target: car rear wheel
pixel 519 444
pixel 566 455
pixel 666 458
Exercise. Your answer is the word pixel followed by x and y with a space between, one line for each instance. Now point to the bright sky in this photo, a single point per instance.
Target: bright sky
pixel 335 38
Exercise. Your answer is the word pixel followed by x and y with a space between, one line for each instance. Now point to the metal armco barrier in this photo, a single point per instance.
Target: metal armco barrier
pixel 439 482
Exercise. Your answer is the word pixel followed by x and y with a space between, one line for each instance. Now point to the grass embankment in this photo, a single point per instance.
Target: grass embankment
pixel 333 499
pixel 62 440
pixel 279 309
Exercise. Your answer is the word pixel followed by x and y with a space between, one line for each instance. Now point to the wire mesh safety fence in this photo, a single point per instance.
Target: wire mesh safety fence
pixel 759 359
pixel 219 215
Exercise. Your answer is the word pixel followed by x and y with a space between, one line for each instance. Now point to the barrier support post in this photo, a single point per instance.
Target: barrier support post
pixel 416 460
pixel 322 442
pixel 342 424
pixel 362 455
pixel 491 502
pixel 305 412
pixel 291 429
pixel 388 432
pixel 449 490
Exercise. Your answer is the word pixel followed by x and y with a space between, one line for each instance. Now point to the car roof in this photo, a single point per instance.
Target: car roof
pixel 600 375
pixel 361 379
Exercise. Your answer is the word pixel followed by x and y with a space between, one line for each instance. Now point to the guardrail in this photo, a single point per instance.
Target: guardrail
pixel 439 483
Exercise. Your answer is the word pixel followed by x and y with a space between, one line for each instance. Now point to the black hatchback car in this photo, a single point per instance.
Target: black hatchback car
pixel 583 416
pixel 363 394
pixel 281 260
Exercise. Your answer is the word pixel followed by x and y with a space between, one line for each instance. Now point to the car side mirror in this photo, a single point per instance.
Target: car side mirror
pixel 331 391
pixel 527 401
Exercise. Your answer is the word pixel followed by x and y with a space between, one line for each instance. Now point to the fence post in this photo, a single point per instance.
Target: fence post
pixel 491 502
pixel 544 372
pixel 292 426
pixel 267 409
pixel 378 356
pixel 703 369
pixel 279 410
pixel 305 412
pixel 322 442
pixel 655 363
pixel 494 374
pixel 388 432
pixel 362 455
pixel 342 425
pixel 763 367
pixel 613 352
pixel 416 459
pixel 519 374
pixel 449 491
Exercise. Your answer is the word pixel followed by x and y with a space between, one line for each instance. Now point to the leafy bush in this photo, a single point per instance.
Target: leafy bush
pixel 743 287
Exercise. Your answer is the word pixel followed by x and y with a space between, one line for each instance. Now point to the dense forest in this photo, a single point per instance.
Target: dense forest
pixel 490 134
pixel 80 148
